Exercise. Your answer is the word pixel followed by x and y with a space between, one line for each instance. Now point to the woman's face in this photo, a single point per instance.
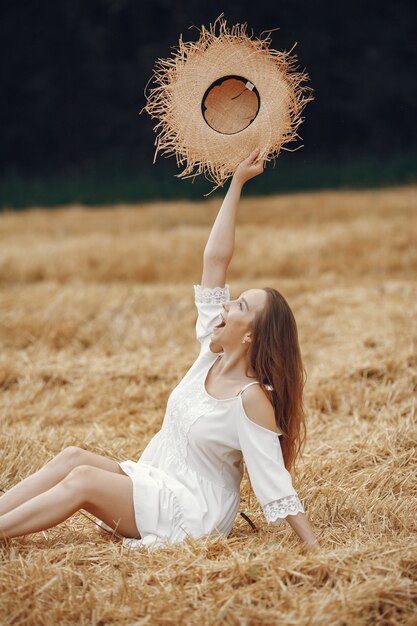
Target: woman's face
pixel 237 317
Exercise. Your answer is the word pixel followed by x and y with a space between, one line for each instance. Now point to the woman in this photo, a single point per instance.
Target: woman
pixel 240 398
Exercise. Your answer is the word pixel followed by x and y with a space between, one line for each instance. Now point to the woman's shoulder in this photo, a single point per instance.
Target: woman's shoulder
pixel 258 406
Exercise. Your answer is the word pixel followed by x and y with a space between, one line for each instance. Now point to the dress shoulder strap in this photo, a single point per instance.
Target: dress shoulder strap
pixel 254 382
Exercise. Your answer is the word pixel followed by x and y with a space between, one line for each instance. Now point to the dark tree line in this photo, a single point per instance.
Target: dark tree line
pixel 73 74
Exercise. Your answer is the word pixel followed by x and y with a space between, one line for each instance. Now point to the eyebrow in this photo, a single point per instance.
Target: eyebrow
pixel 247 305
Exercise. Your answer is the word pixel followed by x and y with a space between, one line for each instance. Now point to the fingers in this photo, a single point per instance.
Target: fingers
pixel 251 166
pixel 253 156
pixel 257 160
pixel 258 164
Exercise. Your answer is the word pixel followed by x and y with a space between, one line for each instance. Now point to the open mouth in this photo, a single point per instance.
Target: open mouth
pixel 221 324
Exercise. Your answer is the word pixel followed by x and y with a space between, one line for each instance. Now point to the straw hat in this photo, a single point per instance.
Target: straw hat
pixel 220 97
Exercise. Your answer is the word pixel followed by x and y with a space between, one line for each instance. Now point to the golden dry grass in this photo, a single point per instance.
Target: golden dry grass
pixel 96 327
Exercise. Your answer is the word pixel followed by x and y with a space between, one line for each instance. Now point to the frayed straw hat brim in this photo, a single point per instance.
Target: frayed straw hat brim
pixel 178 100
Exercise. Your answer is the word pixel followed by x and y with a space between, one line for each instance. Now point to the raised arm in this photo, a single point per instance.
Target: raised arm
pixel 221 243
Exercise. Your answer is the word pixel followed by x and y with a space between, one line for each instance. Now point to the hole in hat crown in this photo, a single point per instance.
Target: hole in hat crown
pixel 230 104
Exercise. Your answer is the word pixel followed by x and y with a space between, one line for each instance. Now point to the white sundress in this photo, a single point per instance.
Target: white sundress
pixel 187 480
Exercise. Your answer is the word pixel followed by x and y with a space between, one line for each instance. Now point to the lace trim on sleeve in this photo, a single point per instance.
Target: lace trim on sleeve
pixel 290 505
pixel 211 295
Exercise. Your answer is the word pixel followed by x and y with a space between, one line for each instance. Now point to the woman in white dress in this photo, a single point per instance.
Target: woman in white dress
pixel 240 401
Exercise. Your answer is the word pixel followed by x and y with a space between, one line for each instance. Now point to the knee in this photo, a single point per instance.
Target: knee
pixel 69 458
pixel 81 478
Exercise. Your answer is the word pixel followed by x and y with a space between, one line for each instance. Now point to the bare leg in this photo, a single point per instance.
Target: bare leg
pixel 104 494
pixel 52 473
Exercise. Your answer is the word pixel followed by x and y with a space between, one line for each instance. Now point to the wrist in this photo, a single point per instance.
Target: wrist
pixel 237 183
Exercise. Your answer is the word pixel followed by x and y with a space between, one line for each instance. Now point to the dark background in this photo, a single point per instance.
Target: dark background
pixel 73 75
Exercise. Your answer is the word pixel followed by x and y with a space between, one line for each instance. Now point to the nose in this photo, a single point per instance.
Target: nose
pixel 226 305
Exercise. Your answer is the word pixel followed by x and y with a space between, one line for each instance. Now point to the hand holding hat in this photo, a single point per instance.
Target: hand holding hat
pixel 249 168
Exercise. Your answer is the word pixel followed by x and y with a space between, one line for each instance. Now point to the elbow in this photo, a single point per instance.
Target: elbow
pixel 215 259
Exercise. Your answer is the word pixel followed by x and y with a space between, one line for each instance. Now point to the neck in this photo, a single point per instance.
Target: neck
pixel 234 364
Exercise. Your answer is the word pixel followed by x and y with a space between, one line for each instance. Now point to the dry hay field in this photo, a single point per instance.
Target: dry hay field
pixel 97 326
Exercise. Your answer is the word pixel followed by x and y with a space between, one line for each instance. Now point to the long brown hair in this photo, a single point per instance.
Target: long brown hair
pixel 275 356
